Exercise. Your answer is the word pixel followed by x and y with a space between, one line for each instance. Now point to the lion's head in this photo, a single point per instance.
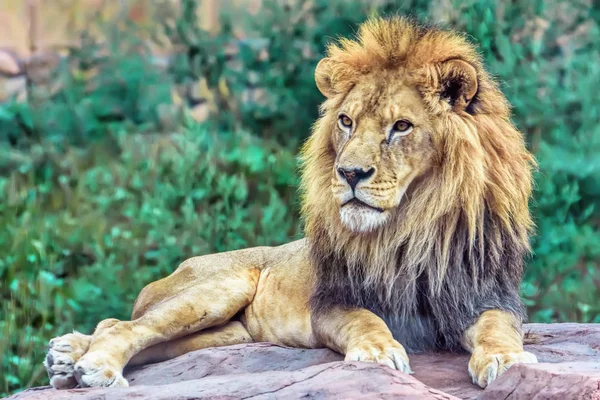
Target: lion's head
pixel 405 104
pixel 413 162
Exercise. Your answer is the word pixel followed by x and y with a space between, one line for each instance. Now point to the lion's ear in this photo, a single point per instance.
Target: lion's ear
pixel 459 83
pixel 323 75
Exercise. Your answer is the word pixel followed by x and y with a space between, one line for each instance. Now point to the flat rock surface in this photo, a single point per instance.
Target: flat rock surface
pixel 569 368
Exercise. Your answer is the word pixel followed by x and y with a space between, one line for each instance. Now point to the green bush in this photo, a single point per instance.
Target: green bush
pixel 87 92
pixel 107 186
pixel 271 74
pixel 85 230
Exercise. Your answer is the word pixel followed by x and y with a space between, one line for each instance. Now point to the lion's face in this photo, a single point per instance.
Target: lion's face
pixel 412 131
pixel 382 140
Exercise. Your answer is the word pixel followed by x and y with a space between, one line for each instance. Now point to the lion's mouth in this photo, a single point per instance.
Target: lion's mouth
pixel 361 204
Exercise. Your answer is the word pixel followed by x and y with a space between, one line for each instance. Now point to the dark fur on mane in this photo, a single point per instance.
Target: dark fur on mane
pixel 419 318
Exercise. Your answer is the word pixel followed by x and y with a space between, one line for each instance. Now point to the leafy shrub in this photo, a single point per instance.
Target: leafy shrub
pixel 84 230
pixel 270 72
pixel 93 86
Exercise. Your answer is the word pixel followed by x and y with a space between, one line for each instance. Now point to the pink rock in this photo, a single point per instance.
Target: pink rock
pixel 332 380
pixel 566 381
pixel 9 64
pixel 569 369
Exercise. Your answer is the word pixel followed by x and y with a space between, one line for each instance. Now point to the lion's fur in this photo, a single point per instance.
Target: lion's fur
pixel 455 245
pixel 441 267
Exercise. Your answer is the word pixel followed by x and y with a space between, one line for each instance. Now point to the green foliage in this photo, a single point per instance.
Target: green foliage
pixel 88 90
pixel 106 186
pixel 271 73
pixel 84 230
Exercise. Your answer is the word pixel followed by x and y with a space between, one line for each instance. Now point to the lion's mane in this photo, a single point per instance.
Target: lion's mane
pixel 455 246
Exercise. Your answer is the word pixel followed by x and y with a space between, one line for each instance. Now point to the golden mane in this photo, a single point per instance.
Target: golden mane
pixel 474 200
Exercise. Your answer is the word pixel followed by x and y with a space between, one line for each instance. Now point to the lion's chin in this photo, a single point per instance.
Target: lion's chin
pixel 362 218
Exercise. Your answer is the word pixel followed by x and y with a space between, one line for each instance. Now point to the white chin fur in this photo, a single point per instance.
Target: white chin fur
pixel 362 219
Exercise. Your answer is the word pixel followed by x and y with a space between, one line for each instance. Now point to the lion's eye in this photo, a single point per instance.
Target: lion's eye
pixel 345 121
pixel 402 126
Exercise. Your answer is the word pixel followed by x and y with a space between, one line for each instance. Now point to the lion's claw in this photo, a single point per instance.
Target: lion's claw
pixel 391 354
pixel 63 352
pixel 484 368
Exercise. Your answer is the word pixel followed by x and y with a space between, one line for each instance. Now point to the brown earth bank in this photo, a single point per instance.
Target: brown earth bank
pixel 569 368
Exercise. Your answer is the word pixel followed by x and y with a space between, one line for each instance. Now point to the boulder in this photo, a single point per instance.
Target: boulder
pixel 570 380
pixel 569 368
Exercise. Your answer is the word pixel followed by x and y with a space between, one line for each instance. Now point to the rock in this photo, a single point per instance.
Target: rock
pixel 571 380
pixel 569 368
pixel 10 64
pixel 251 358
pixel 15 87
pixel 12 79
pixel 331 380
pixel 553 343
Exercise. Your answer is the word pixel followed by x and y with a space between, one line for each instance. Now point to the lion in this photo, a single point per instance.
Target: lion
pixel 415 189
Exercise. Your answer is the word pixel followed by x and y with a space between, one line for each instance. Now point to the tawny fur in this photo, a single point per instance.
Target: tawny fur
pixel 447 225
pixel 481 159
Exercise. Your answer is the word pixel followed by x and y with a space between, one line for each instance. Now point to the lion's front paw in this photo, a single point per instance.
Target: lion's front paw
pixel 485 367
pixel 96 369
pixel 63 352
pixel 390 353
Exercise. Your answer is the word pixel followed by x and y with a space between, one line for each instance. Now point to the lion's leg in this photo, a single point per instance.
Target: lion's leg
pixel 361 336
pixel 210 302
pixel 233 332
pixel 203 292
pixel 496 343
pixel 66 350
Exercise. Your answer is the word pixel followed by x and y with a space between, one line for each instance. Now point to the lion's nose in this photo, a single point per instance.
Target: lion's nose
pixel 355 175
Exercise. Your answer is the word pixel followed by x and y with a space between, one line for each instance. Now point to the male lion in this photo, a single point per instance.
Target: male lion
pixel 415 191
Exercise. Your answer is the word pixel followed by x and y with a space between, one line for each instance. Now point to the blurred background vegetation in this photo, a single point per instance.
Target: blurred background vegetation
pixel 162 130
